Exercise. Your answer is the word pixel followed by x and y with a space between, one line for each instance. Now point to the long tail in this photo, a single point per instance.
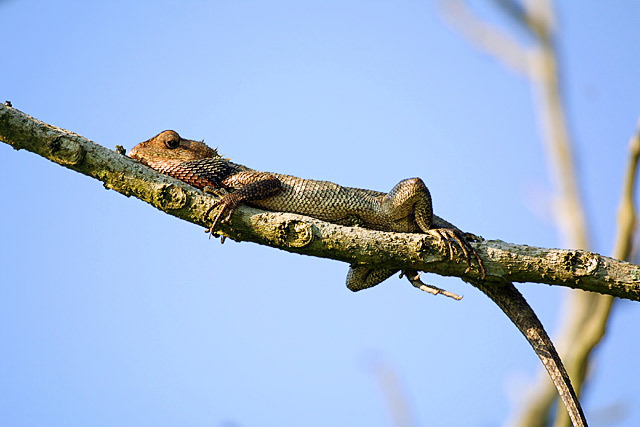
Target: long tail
pixel 511 301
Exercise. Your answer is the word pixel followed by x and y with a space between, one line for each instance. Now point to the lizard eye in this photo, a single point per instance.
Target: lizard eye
pixel 172 143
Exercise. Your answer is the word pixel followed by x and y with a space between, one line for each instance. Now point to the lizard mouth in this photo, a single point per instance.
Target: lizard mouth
pixel 133 153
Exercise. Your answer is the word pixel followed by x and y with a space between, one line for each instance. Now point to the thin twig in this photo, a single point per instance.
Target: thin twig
pixel 414 278
pixel 627 217
pixel 486 37
pixel 394 393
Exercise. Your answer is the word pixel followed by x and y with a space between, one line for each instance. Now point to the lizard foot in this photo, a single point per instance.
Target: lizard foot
pixel 227 205
pixel 414 277
pixel 220 193
pixel 447 235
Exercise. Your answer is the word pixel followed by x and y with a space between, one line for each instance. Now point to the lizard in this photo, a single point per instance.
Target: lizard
pixel 406 208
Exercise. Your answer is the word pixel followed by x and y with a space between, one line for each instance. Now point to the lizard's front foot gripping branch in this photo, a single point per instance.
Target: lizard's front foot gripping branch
pixel 227 203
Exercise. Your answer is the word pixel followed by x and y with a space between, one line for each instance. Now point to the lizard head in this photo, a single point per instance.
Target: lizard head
pixel 169 147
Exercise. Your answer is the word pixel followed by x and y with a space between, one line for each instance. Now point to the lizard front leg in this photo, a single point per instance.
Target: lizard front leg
pixel 249 186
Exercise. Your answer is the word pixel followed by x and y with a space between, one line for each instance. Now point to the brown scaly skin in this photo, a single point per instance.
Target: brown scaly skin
pixel 406 208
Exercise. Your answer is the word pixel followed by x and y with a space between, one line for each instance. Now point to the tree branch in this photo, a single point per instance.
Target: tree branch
pixel 299 234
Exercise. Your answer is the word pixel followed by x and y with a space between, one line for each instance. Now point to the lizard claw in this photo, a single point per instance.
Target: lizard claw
pixel 440 232
pixel 462 239
pixel 228 204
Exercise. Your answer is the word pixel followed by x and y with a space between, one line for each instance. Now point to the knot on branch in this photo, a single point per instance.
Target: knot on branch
pixel 289 232
pixel 65 151
pixel 170 197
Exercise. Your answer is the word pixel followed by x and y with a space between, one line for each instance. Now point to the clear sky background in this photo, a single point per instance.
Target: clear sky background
pixel 113 313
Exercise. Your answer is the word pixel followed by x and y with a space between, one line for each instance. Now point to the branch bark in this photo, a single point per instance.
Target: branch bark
pixel 299 234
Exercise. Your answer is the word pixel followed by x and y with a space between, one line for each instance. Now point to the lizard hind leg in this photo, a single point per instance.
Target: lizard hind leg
pixel 409 209
pixel 362 277
pixel 408 206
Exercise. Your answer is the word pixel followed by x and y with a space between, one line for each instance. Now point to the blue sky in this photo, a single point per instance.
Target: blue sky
pixel 113 313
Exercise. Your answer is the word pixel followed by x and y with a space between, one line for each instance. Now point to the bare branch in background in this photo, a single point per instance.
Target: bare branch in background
pixel 586 315
pixel 627 218
pixel 486 37
pixel 393 392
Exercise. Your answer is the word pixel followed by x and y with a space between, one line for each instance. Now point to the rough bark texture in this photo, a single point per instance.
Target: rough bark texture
pixel 295 233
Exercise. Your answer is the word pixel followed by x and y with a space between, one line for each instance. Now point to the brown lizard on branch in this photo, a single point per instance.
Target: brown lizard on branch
pixel 406 208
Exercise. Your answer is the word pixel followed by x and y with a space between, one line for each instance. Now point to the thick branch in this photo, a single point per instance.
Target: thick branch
pixel 309 236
